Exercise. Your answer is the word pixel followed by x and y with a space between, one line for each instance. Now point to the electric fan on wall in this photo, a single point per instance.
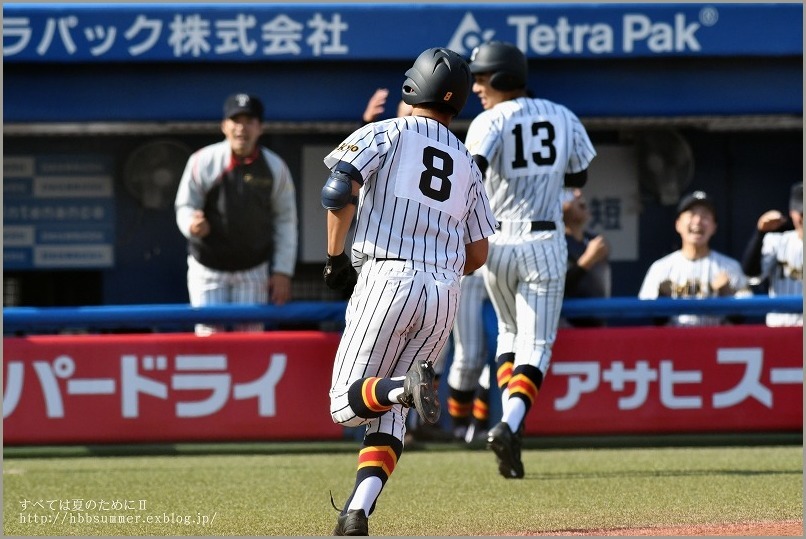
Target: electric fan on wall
pixel 153 170
pixel 665 164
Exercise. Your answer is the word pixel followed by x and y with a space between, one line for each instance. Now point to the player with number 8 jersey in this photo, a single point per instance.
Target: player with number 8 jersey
pixel 422 221
pixel 529 149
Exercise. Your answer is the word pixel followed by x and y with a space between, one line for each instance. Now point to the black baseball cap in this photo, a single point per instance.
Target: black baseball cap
pixel 796 198
pixel 243 104
pixel 696 198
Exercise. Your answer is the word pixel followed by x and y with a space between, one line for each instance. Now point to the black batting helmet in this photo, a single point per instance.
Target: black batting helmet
pixel 505 63
pixel 438 76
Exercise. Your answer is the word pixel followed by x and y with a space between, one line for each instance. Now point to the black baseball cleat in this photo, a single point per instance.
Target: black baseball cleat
pixel 419 391
pixel 353 522
pixel 507 449
pixel 475 436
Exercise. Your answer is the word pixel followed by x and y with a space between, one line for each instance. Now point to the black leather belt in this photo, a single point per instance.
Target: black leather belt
pixel 543 225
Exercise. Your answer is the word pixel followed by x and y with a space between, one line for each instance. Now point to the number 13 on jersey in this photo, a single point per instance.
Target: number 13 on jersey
pixel 534 143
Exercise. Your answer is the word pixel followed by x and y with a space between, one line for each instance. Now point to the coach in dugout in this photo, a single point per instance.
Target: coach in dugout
pixel 236 205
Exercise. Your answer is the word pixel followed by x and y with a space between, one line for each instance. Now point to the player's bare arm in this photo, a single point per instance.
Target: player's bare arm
pixel 476 253
pixel 279 288
pixel 771 221
pixel 375 105
pixel 597 250
pixel 338 225
pixel 338 272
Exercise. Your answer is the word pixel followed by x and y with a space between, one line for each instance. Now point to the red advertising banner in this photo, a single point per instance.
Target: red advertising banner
pixel 274 385
pixel 168 388
pixel 672 380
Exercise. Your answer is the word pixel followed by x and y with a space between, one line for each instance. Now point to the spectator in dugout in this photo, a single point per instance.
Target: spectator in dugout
pixel 774 255
pixel 695 270
pixel 588 271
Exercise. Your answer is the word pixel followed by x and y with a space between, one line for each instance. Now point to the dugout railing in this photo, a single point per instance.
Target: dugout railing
pixel 330 314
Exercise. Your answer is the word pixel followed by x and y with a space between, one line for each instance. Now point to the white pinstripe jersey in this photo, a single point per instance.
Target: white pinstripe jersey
pixel 529 144
pixel 692 279
pixel 782 264
pixel 423 198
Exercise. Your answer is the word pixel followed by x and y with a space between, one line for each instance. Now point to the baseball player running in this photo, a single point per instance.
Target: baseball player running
pixel 528 148
pixel 422 221
pixel 468 374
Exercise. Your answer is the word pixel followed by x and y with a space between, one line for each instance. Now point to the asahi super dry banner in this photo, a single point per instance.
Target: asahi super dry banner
pixel 274 385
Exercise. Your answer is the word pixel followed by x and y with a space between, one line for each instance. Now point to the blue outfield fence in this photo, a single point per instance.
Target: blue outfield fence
pixel 52 319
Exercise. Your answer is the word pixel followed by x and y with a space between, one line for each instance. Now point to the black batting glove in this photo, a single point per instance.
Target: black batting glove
pixel 339 273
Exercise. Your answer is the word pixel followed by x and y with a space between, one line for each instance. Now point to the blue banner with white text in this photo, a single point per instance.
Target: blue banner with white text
pixel 221 32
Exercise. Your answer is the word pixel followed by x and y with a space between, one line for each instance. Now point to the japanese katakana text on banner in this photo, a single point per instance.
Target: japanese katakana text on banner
pixel 136 388
pixel 243 32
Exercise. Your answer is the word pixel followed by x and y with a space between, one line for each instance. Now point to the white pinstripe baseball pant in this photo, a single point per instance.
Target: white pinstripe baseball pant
pixel 469 343
pixel 396 316
pixel 207 286
pixel 525 277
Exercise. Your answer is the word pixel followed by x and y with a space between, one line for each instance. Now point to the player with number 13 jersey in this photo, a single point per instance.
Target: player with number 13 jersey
pixel 529 149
